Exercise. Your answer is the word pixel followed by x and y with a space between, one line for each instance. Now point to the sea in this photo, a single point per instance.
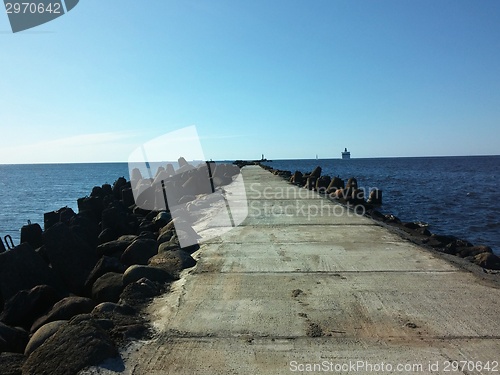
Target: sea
pixel 458 196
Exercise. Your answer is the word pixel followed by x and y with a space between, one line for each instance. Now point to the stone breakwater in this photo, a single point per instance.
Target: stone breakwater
pixel 354 197
pixel 72 293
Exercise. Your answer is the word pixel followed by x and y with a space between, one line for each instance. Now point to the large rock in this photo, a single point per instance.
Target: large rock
pixel 139 252
pixel 108 287
pixel 42 334
pixel 22 268
pixel 173 261
pixel 12 339
pixel 137 272
pixel 104 265
pixel 114 248
pixel 11 363
pixel 65 309
pixel 72 348
pixel 139 292
pixel 71 258
pixel 28 305
pixel 488 260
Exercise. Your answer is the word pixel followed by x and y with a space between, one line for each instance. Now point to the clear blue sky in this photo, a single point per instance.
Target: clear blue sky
pixel 287 78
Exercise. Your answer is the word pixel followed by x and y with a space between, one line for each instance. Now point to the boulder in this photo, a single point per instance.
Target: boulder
pixel 114 248
pixel 12 340
pixel 137 272
pixel 22 269
pixel 75 346
pixel 42 334
pixel 71 258
pixel 65 309
pixel 108 287
pixel 104 265
pixel 28 305
pixel 165 235
pixel 106 235
pixel 375 197
pixel 316 173
pixel 297 178
pixel 32 234
pixel 335 184
pixel 487 260
pixel 162 219
pixel 173 261
pixel 118 219
pixel 139 292
pixel 112 308
pixel 322 183
pixel 11 363
pixel 139 252
pixel 472 251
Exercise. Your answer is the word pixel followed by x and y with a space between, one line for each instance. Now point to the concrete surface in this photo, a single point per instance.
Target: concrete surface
pixel 291 292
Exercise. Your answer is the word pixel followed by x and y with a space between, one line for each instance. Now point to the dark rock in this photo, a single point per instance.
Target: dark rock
pixel 12 340
pixel 136 272
pixel 118 185
pixel 377 215
pixel 71 258
pixel 488 260
pixel 114 248
pixel 95 205
pixel 139 252
pixel 297 178
pixel 375 196
pixel 139 292
pixel 66 214
pixel 352 183
pixel 335 184
pixel 132 331
pixel 440 241
pixel 104 265
pixel 106 235
pixel 85 229
pixel 65 309
pixel 42 334
pixel 108 287
pixel 322 183
pixel 72 348
pixel 28 305
pixel 22 269
pixel 112 308
pixel 165 235
pixel 162 219
pixel 316 173
pixel 173 261
pixel 128 197
pixel 50 219
pixel 391 219
pixel 11 363
pixel 411 226
pixel 472 251
pixel 118 219
pixel 32 234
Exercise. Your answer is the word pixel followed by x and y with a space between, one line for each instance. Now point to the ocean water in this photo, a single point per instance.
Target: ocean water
pixel 454 195
pixel 27 191
pixel 459 196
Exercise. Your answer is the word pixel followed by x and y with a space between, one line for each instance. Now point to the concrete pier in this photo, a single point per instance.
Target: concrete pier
pixel 305 286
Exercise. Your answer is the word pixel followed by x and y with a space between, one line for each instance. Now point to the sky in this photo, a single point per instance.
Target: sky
pixel 289 79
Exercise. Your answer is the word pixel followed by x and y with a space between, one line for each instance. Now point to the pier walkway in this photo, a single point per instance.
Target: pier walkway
pixel 304 285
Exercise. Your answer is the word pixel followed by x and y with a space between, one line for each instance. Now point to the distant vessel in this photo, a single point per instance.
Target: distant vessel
pixel 346 155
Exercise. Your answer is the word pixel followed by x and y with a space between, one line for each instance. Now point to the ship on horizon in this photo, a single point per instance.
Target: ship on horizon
pixel 346 155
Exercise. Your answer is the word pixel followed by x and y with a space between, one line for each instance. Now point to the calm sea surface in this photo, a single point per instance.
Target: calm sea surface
pixel 455 195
